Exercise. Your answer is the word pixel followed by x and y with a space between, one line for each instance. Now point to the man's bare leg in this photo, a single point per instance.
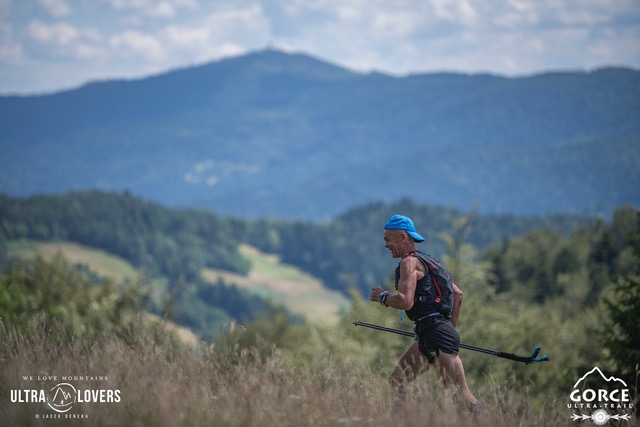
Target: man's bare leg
pixel 450 370
pixel 412 364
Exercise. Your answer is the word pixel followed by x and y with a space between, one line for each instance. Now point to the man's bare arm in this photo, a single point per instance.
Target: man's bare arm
pixel 410 273
pixel 457 305
pixel 403 299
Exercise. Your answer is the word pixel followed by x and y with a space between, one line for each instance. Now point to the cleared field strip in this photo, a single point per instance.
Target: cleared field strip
pixel 103 263
pixel 299 292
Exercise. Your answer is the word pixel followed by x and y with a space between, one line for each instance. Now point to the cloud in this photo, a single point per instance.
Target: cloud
pixel 11 53
pixel 56 8
pixel 187 4
pixel 500 36
pixel 224 32
pixel 135 43
pixel 59 33
pixel 162 9
pixel 460 11
pixel 188 36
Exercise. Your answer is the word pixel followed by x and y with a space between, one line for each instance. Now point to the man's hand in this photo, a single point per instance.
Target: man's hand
pixel 375 292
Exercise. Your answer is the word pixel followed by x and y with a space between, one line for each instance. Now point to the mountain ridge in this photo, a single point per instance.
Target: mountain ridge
pixel 251 135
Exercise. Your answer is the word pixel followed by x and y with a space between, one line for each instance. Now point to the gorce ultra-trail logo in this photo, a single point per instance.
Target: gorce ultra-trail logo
pixel 600 399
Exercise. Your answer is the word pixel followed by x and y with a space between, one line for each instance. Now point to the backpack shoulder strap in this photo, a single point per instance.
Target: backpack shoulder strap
pixel 424 258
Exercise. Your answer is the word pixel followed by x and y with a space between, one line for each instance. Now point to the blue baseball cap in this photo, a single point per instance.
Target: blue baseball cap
pixel 401 222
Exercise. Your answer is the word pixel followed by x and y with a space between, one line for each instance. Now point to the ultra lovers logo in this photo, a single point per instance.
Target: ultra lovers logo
pixel 63 396
pixel 600 399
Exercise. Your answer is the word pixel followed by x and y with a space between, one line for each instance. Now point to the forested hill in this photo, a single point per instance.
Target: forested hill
pixel 345 252
pixel 280 135
pixel 529 259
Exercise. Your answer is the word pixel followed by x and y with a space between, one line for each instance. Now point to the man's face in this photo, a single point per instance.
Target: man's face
pixel 394 240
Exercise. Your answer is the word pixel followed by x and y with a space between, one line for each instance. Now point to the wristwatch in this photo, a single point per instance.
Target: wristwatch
pixel 382 298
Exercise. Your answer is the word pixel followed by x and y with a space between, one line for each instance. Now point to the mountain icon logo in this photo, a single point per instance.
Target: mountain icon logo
pixel 594 370
pixel 62 397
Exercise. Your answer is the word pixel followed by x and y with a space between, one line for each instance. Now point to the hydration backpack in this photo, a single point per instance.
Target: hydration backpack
pixel 440 294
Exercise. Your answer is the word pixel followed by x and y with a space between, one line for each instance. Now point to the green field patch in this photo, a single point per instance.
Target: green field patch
pixel 299 292
pixel 102 263
pixel 296 290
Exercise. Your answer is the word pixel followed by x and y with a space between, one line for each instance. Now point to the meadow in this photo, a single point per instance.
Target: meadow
pixel 162 382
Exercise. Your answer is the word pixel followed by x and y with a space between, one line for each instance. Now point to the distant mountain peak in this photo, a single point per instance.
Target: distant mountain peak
pixel 294 63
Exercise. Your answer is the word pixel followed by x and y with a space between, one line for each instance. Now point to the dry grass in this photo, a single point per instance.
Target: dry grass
pixel 324 381
pixel 163 383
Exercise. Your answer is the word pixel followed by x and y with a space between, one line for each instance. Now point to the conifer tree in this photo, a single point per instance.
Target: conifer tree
pixel 622 333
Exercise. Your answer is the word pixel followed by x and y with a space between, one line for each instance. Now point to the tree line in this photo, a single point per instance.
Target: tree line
pixel 177 243
pixel 158 240
pixel 542 256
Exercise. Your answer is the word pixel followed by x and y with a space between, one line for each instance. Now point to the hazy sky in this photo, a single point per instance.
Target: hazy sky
pixel 48 45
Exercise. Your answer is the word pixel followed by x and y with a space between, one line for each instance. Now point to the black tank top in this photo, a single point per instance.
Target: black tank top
pixel 423 306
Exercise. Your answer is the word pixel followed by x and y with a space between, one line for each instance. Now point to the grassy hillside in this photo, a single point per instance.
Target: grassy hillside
pixel 102 263
pixel 299 292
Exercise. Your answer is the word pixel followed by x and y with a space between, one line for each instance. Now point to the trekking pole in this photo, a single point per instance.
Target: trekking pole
pixel 527 360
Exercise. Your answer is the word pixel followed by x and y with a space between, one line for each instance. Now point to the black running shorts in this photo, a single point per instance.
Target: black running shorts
pixel 442 337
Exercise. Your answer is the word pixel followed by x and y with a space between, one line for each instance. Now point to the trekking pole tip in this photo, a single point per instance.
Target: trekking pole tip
pixel 536 350
pixel 533 359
